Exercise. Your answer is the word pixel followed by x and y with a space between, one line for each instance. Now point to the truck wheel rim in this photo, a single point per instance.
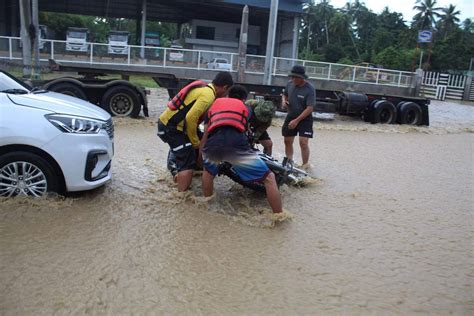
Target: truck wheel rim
pixel 412 117
pixel 121 105
pixel 386 116
pixel 22 178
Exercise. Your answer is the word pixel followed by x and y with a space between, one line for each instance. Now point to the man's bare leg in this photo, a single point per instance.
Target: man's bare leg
pixel 267 146
pixel 289 146
pixel 207 183
pixel 304 145
pixel 273 195
pixel 184 179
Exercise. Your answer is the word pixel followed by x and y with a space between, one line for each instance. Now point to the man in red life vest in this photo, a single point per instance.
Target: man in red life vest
pixel 225 140
pixel 178 124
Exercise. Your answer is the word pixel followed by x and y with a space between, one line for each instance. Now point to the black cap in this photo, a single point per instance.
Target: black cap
pixel 298 71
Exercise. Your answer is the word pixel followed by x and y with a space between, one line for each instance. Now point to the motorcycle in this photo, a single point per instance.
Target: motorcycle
pixel 285 171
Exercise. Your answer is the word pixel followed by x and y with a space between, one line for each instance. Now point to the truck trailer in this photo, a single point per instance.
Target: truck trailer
pixel 121 98
pixel 373 108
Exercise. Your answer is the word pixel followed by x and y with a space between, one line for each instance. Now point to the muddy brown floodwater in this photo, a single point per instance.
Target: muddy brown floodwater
pixel 387 228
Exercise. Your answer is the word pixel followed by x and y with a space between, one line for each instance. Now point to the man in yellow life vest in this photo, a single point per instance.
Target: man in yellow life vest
pixel 225 140
pixel 178 124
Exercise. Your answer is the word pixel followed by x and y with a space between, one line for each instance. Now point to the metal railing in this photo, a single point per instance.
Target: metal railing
pixel 133 55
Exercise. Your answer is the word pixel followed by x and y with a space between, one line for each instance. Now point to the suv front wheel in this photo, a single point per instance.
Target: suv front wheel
pixel 25 173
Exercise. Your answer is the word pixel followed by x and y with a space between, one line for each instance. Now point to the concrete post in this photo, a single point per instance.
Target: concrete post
pixel 35 19
pixel 25 20
pixel 467 88
pixel 143 29
pixel 418 81
pixel 241 62
pixel 267 78
pixel 294 53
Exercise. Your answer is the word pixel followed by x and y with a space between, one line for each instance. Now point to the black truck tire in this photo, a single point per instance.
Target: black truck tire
pixel 398 107
pixel 121 101
pixel 69 89
pixel 384 112
pixel 410 113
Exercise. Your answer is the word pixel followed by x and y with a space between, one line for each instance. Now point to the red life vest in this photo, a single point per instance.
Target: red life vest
pixel 177 103
pixel 228 112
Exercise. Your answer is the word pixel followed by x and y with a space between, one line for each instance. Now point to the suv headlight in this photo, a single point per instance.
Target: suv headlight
pixel 75 124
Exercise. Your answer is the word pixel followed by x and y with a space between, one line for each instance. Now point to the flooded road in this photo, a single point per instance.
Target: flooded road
pixel 386 228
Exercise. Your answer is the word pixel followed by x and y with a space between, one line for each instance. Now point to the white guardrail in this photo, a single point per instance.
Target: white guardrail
pixel 145 56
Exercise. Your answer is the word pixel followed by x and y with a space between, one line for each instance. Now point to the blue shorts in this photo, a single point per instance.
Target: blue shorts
pixel 228 145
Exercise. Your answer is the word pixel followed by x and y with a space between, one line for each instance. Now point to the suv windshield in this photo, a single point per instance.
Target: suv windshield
pixel 9 84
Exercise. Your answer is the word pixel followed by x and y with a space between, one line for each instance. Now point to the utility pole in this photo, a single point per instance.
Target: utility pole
pixel 267 77
pixel 25 21
pixel 244 27
pixel 36 72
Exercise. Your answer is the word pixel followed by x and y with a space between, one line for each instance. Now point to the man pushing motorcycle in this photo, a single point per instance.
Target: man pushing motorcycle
pixel 178 124
pixel 225 140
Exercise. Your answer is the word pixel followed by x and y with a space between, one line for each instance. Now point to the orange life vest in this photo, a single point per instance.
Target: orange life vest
pixel 228 112
pixel 177 103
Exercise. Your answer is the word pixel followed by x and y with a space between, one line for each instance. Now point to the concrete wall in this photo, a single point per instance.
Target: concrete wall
pixel 226 36
pixel 9 18
pixel 284 38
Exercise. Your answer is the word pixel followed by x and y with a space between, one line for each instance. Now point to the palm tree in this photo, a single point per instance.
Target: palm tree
pixel 341 24
pixel 325 11
pixel 468 25
pixel 427 14
pixel 310 22
pixel 354 11
pixel 449 19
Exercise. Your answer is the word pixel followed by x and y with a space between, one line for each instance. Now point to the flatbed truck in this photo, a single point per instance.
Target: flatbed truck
pixel 121 98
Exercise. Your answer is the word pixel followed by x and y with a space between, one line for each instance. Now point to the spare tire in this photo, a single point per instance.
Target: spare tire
pixel 410 113
pixel 384 112
pixel 121 101
pixel 69 88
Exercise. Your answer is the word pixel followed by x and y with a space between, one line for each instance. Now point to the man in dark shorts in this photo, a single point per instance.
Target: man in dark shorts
pixel 225 140
pixel 299 98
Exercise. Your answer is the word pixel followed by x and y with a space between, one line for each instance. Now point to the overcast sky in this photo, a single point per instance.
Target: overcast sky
pixel 406 6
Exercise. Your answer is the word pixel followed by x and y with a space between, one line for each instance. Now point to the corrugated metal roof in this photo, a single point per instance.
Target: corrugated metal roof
pixel 178 11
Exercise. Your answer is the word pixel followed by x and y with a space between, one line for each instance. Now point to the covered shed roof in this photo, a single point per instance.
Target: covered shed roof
pixel 177 11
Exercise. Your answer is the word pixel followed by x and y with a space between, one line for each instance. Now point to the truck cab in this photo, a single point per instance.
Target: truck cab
pixel 77 39
pixel 43 31
pixel 118 42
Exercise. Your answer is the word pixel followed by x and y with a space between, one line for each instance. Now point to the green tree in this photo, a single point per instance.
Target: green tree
pixel 449 20
pixel 426 17
pixel 394 58
pixel 468 25
pixel 333 53
pixel 454 52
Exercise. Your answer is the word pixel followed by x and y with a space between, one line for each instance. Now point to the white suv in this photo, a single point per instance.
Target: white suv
pixel 51 142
